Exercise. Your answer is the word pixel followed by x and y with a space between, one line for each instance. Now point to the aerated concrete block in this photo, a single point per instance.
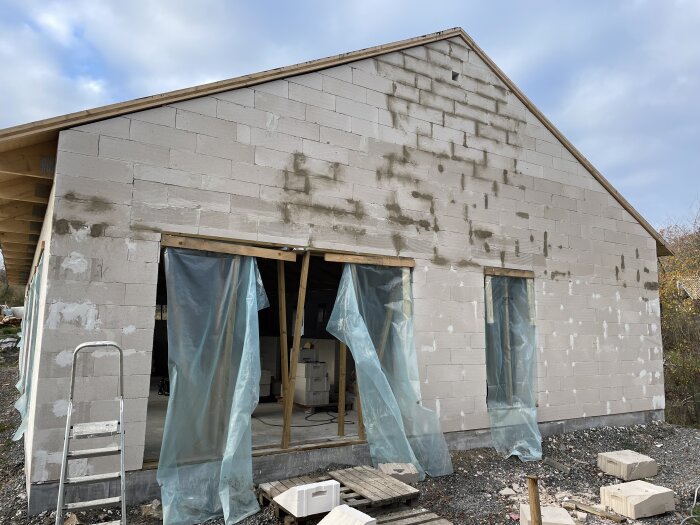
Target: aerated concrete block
pixel 637 499
pixel 346 515
pixel 550 516
pixel 405 472
pixel 627 465
pixel 313 498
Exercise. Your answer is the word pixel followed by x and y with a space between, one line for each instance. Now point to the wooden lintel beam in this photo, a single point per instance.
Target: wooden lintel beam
pixel 36 160
pixel 22 211
pixel 377 260
pixel 207 245
pixel 27 189
pixel 19 238
pixel 15 226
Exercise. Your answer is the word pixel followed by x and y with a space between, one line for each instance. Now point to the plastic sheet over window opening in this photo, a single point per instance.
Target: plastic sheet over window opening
pixel 511 367
pixel 373 316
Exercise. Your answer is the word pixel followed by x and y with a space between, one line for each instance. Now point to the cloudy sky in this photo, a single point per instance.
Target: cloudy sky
pixel 620 78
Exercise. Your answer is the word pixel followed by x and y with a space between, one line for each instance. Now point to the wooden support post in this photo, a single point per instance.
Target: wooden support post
pixel 534 496
pixel 284 340
pixel 342 371
pixel 360 422
pixel 289 399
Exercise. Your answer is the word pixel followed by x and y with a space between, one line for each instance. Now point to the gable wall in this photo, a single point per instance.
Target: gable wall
pixel 386 156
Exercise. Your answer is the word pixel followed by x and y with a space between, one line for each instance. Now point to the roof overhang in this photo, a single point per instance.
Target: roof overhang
pixel 26 147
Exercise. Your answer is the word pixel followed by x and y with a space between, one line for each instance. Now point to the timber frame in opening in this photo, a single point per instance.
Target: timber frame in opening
pixel 289 363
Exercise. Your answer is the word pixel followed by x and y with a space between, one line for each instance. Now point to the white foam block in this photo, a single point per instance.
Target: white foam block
pixel 346 515
pixel 307 500
pixel 550 516
pixel 627 464
pixel 637 499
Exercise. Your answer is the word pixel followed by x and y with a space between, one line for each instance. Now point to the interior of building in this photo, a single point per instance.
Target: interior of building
pixel 315 416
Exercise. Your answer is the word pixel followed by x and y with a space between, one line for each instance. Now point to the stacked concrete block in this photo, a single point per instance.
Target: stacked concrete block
pixel 627 465
pixel 637 499
pixel 312 387
pixel 421 153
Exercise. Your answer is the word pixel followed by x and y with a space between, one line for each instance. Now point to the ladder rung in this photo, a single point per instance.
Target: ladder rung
pixel 94 452
pixel 93 478
pixel 95 429
pixel 92 504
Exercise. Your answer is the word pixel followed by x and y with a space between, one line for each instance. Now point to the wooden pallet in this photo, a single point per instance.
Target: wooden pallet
pixel 360 487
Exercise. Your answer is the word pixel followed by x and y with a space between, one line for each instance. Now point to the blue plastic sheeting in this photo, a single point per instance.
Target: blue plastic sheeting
pixel 511 367
pixel 28 350
pixel 205 466
pixel 373 316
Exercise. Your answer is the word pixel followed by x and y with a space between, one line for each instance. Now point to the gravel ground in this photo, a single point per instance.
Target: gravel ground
pixel 470 495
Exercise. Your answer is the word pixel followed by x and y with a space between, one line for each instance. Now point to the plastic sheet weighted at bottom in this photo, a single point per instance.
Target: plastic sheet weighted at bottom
pixel 511 367
pixel 373 316
pixel 205 466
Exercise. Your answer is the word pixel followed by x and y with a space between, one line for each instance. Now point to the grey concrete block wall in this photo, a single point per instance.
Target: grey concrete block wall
pixel 422 153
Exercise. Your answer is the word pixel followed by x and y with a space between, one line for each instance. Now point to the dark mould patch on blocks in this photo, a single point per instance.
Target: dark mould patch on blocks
pixel 352 230
pixel 398 241
pixel 64 226
pixel 636 253
pixel 502 256
pixel 465 212
pixel 91 203
pixel 397 216
pixel 463 181
pixel 483 234
pixel 545 248
pixel 486 201
pixel 505 176
pixel 394 161
pixel 487 248
pixel 336 170
pixel 649 285
pixel 639 276
pixel 646 270
pixel 622 262
pixel 494 188
pixel 438 259
pixel 532 238
pixel 300 171
pixel 98 230
pixel 517 248
pixel 467 263
pixel 522 214
pixel 425 197
pixel 557 273
pixel 286 213
pixel 617 273
pixel 441 168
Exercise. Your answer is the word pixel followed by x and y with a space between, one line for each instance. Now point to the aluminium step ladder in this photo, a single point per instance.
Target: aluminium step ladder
pixel 93 430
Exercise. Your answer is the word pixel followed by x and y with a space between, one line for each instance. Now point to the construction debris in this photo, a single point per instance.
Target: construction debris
pixel 627 465
pixel 405 472
pixel 550 516
pixel 590 509
pixel 346 515
pixel 153 509
pixel 637 499
pixel 10 320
